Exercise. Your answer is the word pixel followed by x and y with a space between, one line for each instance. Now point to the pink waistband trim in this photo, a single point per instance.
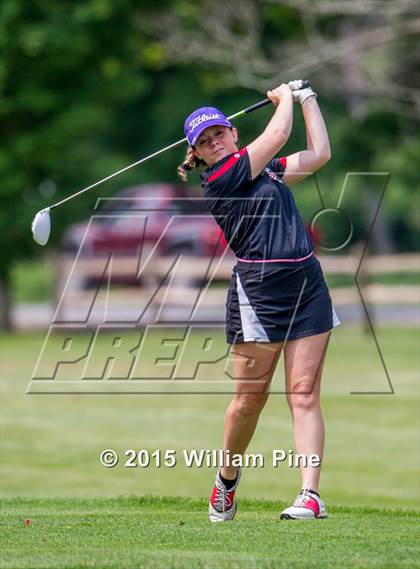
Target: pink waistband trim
pixel 276 260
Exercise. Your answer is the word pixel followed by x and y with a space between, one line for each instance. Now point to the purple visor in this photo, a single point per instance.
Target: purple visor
pixel 202 118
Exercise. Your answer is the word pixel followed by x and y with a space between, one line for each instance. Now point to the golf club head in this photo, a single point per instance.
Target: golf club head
pixel 41 226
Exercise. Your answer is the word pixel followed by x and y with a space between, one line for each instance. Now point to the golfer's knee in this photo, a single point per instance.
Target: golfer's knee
pixel 250 404
pixel 303 396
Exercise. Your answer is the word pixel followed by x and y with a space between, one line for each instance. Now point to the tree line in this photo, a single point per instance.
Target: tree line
pixel 88 86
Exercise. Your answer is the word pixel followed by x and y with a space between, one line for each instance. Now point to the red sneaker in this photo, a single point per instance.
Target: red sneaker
pixel 307 505
pixel 222 505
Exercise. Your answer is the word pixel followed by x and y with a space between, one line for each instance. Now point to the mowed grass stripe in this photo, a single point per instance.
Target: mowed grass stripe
pixel 156 533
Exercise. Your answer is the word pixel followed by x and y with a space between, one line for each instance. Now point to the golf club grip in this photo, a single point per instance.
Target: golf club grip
pixel 264 102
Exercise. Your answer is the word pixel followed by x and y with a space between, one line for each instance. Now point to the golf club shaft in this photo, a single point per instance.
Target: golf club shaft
pixel 119 172
pixel 264 102
pixel 248 110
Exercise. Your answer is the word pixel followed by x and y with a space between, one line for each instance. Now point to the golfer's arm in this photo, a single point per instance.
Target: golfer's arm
pixel 274 137
pixel 318 152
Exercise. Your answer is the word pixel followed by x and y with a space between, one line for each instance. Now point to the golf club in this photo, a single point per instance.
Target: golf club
pixel 41 224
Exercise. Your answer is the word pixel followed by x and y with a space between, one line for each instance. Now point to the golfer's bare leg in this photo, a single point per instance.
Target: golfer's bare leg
pixel 253 365
pixel 304 359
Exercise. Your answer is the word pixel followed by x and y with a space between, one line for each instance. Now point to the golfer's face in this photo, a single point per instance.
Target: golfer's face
pixel 216 142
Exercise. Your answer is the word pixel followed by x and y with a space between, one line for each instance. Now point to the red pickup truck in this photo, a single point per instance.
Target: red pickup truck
pixel 173 218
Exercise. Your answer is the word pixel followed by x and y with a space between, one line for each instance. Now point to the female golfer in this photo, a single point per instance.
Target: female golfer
pixel 277 298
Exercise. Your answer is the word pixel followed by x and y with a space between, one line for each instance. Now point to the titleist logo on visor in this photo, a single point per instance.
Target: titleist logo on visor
pixel 202 118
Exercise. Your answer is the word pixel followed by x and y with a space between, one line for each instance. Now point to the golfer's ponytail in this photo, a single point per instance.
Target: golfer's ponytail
pixel 190 163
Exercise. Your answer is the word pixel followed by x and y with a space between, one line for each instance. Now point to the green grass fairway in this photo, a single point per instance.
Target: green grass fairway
pixel 86 515
pixel 174 533
pixel 50 444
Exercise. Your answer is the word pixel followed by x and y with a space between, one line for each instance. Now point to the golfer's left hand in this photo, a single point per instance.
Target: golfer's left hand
pixel 300 95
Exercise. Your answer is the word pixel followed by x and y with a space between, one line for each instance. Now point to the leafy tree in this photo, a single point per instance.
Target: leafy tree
pixel 89 86
pixel 69 70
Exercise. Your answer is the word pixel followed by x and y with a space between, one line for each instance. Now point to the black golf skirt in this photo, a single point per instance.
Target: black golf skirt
pixel 278 301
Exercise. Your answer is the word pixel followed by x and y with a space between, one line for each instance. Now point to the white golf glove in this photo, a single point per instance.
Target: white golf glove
pixel 300 95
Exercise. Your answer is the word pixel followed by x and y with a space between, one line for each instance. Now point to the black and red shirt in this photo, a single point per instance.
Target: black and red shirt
pixel 259 218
